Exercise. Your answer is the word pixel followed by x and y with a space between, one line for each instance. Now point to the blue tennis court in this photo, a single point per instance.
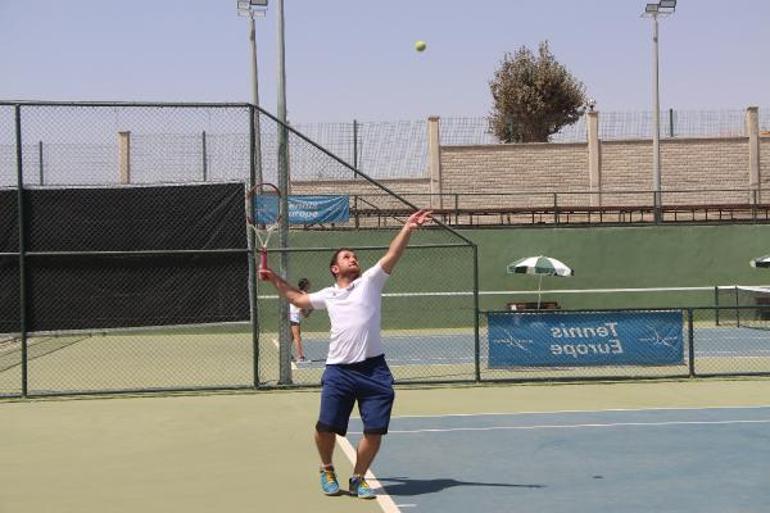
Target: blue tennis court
pixel 731 341
pixel 620 461
pixel 409 349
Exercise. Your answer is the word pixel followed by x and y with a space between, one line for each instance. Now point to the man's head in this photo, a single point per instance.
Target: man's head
pixel 344 264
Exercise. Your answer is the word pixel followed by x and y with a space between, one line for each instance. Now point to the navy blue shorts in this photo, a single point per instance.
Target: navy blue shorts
pixel 370 383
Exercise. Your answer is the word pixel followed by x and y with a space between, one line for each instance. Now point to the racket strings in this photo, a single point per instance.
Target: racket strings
pixel 264 234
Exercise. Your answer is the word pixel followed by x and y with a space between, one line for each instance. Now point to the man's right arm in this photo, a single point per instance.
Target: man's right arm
pixel 295 296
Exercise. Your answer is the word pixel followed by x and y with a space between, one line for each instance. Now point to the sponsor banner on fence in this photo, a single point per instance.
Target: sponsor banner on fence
pixel 585 338
pixel 304 209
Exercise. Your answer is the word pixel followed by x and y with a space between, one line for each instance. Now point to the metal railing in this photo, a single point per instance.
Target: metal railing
pixel 557 207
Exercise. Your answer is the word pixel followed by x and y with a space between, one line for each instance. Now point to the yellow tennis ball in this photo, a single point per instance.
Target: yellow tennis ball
pixel 420 46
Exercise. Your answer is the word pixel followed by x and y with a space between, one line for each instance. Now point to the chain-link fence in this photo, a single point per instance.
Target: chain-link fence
pixel 127 266
pixel 381 149
pixel 621 343
pixel 731 340
pixel 617 126
pixel 421 300
pixel 202 144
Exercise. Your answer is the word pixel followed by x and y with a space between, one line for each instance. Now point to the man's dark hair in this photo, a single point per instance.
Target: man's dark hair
pixel 303 284
pixel 333 261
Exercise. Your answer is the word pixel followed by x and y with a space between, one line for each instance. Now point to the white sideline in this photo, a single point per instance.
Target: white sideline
pixel 574 426
pixel 605 410
pixel 277 346
pixel 384 500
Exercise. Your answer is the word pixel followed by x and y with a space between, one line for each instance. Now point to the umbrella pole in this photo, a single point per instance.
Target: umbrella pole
pixel 539 288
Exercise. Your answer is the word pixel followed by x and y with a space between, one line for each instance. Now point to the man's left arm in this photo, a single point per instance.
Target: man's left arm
pixel 399 242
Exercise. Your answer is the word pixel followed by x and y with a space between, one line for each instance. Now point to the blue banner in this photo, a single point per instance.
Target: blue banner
pixel 581 339
pixel 304 209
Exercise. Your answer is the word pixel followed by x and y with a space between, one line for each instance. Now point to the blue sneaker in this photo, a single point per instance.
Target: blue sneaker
pixel 360 488
pixel 329 483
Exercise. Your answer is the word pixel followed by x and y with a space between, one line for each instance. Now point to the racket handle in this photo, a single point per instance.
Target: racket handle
pixel 262 263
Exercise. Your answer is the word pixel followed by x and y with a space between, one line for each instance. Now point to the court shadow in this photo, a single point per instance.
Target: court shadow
pixel 401 486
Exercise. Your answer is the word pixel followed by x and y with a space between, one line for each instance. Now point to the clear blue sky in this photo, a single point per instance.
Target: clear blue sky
pixel 350 59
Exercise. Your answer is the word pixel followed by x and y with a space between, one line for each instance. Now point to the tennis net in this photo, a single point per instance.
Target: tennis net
pixel 744 306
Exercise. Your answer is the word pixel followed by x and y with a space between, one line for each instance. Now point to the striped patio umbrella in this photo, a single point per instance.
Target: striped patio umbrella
pixel 542 266
pixel 761 262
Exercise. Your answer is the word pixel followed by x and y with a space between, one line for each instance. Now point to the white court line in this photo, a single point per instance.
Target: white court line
pixel 733 354
pixel 551 291
pixel 384 500
pixel 578 426
pixel 608 410
pixel 277 346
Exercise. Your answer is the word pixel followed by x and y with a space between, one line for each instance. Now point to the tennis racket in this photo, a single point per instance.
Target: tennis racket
pixel 263 216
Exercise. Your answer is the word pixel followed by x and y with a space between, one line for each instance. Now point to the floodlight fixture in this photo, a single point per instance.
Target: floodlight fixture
pixel 661 9
pixel 251 8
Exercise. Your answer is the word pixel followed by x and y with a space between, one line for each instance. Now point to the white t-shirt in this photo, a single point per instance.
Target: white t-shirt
pixel 355 313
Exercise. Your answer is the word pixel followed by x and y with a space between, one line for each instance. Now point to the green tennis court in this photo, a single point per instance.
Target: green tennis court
pixel 253 451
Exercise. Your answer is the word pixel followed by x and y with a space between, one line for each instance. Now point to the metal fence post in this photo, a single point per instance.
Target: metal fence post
pixel 22 259
pixel 477 341
pixel 253 282
pixel 671 123
pixel 355 147
pixel 355 209
pixel 205 156
pixel 556 208
pixel 284 332
pixel 690 344
pixel 40 161
pixel 457 208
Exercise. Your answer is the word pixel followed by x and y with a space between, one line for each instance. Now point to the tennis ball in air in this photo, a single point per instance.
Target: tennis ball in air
pixel 420 46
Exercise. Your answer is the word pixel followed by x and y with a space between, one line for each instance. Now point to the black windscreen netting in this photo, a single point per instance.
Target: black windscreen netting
pixel 9 284
pixel 132 256
pixel 71 292
pixel 191 217
pixel 9 221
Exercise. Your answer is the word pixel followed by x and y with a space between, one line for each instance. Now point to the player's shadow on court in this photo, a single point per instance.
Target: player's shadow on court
pixel 400 486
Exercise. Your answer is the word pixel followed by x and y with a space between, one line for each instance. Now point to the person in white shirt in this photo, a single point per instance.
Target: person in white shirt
pixel 296 314
pixel 355 365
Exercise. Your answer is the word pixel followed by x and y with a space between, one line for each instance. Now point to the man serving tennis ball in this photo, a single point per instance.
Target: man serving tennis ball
pixel 355 365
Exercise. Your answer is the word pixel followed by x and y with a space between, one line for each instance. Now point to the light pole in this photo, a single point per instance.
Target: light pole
pixel 653 11
pixel 283 185
pixel 252 9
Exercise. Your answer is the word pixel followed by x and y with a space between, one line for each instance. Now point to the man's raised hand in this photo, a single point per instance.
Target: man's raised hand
pixel 419 218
